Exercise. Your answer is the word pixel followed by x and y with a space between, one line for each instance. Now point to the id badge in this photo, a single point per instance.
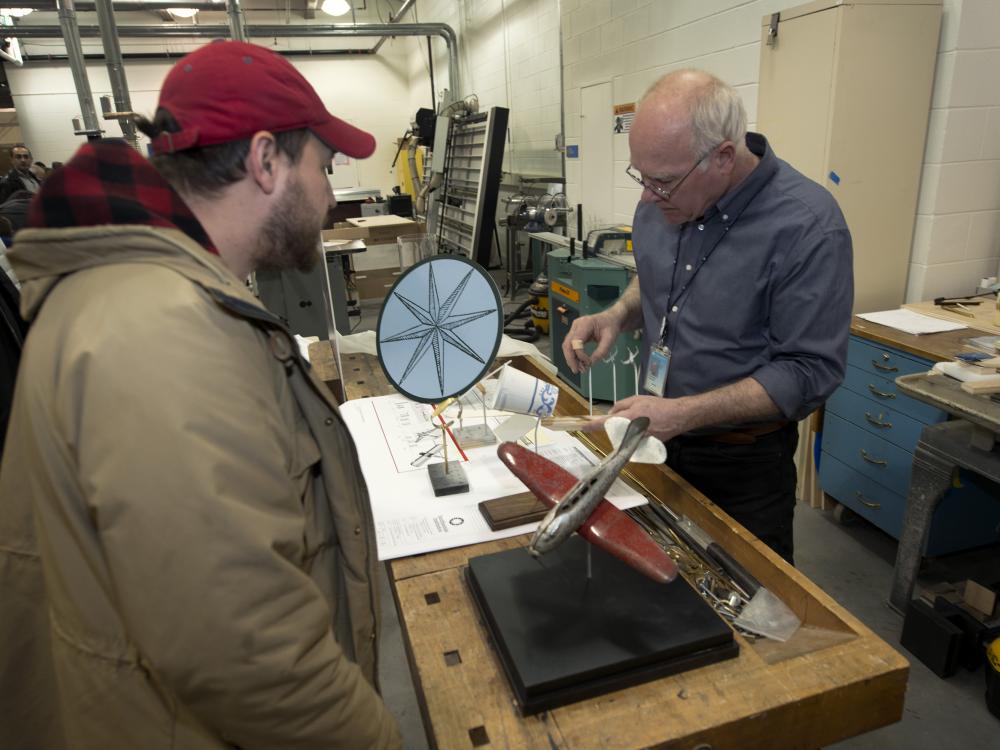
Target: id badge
pixel 656 371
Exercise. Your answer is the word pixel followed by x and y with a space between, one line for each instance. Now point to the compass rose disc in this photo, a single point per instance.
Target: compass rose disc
pixel 439 328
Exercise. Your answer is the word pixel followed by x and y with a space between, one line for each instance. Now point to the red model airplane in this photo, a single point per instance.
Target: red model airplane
pixel 607 527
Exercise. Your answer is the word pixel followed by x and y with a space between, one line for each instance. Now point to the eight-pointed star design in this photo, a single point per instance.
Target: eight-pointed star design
pixel 436 325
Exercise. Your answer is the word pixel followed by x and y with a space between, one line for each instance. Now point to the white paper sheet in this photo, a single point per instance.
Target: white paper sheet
pixel 911 322
pixel 409 519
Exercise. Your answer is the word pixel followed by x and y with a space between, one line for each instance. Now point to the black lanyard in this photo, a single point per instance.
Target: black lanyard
pixel 665 326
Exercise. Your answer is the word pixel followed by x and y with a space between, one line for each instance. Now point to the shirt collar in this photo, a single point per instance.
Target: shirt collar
pixel 737 199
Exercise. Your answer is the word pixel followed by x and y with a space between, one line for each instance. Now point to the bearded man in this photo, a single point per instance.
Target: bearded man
pixel 186 548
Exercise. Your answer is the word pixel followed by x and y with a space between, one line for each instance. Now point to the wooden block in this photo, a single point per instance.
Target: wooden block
pixel 980 598
pixel 982 387
pixel 513 510
pixel 565 424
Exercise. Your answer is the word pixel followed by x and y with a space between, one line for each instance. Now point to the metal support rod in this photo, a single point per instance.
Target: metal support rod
pixel 116 67
pixel 393 19
pixel 237 21
pixel 70 32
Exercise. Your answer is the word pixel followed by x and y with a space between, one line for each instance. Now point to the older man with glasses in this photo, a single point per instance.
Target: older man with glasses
pixel 743 294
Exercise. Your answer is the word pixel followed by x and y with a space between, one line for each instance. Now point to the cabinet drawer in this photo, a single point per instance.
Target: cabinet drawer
pixel 876 417
pixel 884 391
pixel 883 360
pixel 968 516
pixel 867 498
pixel 869 454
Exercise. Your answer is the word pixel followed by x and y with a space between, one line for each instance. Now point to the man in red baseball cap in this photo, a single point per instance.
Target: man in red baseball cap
pixel 186 548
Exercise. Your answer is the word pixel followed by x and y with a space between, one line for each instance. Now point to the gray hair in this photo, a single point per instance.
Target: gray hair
pixel 717 112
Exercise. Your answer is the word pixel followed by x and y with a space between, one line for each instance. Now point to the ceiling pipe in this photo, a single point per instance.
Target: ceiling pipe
pixel 116 69
pixel 237 21
pixel 137 5
pixel 30 31
pixel 70 32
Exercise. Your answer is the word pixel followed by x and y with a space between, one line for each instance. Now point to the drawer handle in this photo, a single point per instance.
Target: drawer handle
pixel 861 499
pixel 876 461
pixel 877 366
pixel 877 422
pixel 880 394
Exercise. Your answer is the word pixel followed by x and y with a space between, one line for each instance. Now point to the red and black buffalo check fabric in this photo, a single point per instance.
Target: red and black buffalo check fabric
pixel 109 182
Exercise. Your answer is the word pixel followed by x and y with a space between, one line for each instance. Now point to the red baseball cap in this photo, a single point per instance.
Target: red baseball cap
pixel 227 91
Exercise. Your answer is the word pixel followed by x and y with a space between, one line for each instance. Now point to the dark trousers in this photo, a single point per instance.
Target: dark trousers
pixel 753 483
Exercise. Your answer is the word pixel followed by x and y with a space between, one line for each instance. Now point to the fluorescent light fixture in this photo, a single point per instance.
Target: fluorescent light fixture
pixel 16 12
pixel 183 12
pixel 335 7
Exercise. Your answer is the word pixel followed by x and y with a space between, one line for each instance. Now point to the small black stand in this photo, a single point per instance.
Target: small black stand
pixel 448 478
pixel 562 637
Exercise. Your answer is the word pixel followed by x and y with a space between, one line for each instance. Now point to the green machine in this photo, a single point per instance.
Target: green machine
pixel 583 286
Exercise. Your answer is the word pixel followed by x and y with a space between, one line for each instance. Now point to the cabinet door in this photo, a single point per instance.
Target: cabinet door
pixel 795 92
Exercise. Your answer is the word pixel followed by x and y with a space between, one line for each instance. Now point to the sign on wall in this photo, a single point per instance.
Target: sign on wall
pixel 623 114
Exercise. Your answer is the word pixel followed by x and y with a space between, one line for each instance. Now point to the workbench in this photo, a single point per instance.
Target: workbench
pixel 834 679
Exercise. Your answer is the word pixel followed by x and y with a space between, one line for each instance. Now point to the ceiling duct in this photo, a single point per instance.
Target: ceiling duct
pixel 381 30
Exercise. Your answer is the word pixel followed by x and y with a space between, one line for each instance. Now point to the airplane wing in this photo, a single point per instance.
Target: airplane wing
pixel 608 528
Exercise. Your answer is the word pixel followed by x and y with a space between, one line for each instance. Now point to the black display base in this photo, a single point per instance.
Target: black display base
pixel 451 482
pixel 562 638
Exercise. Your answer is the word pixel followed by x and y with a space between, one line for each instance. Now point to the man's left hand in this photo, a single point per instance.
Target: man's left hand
pixel 667 416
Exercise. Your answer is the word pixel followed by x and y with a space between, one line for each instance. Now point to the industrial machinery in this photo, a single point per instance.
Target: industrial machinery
pixel 580 286
pixel 530 213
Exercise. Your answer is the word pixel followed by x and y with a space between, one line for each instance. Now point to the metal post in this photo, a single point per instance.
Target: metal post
pixel 116 67
pixel 237 21
pixel 74 51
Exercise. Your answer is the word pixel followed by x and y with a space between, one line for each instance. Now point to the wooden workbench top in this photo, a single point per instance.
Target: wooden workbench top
pixel 936 347
pixel 833 679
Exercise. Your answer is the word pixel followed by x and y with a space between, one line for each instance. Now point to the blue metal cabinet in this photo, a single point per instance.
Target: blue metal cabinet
pixel 869 435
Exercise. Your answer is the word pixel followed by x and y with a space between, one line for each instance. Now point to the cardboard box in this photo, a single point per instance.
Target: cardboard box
pixel 375 284
pixel 374 230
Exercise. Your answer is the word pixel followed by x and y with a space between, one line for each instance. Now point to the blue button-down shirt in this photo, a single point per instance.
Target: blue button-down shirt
pixel 761 286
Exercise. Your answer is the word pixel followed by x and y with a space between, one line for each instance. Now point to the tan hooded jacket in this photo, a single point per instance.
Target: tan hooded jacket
pixel 186 548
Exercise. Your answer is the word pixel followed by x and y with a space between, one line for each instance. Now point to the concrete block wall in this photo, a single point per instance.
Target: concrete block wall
pixel 957 233
pixel 509 57
pixel 631 43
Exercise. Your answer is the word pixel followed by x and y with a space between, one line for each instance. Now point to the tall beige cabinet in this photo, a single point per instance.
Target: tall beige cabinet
pixel 844 97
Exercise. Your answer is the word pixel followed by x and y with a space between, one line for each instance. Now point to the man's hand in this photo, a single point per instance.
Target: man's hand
pixel 602 328
pixel 667 416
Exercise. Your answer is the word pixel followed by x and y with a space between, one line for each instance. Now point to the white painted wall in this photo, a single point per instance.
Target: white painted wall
pixel 366 91
pixel 957 235
pixel 509 52
pixel 634 42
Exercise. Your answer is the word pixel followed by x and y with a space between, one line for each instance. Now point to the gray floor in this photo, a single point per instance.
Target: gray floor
pixel 853 564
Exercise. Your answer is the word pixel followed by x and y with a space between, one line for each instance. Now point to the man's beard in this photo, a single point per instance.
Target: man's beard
pixel 289 238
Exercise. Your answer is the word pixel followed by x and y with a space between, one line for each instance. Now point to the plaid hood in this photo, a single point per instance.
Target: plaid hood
pixel 109 183
pixel 109 205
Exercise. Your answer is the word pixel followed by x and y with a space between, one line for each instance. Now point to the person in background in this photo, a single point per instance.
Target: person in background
pixel 15 209
pixel 40 171
pixel 20 176
pixel 187 555
pixel 743 292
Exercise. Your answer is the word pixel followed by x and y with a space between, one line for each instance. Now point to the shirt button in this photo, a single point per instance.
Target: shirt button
pixel 725 217
pixel 673 309
pixel 687 267
pixel 701 227
pixel 357 531
pixel 328 421
pixel 372 636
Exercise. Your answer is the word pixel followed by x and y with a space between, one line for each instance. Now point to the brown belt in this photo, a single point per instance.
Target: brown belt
pixel 743 436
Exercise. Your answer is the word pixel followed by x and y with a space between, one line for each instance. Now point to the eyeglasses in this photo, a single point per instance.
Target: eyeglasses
pixel 660 192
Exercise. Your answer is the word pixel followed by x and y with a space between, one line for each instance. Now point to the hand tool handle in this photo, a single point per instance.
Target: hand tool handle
pixel 736 571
